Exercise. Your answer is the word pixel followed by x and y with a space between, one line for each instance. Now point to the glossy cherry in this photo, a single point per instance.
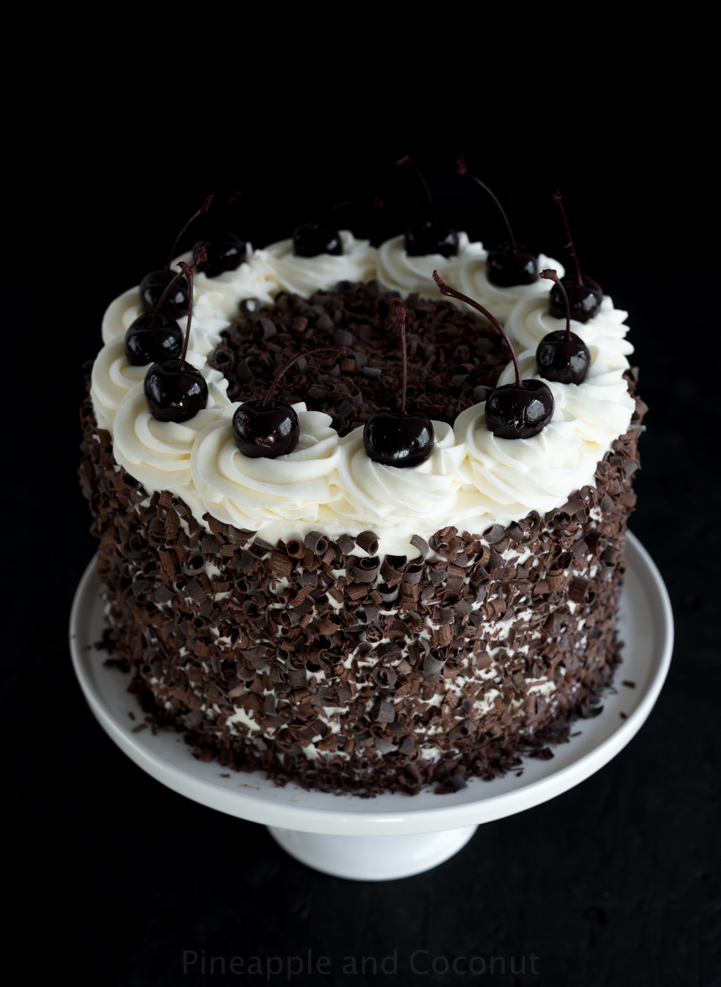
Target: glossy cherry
pixel 399 440
pixel 175 390
pixel 313 239
pixel 153 337
pixel 513 411
pixel 562 356
pixel 269 428
pixel 153 285
pixel 584 294
pixel 224 252
pixel 510 263
pixel 519 411
pixel 428 236
pixel 266 429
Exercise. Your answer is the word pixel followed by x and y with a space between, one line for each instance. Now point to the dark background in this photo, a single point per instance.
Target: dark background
pixel 615 882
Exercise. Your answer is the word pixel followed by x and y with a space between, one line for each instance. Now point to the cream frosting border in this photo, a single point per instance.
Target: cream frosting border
pixel 472 480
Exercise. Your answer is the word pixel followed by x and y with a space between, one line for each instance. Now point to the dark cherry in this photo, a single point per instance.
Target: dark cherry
pixel 584 294
pixel 312 239
pixel 511 262
pixel 513 411
pixel 153 285
pixel 152 288
pixel 175 390
pixel 152 338
pixel 563 356
pixel 266 430
pixel 399 440
pixel 519 411
pixel 428 237
pixel 584 299
pixel 224 252
pixel 270 428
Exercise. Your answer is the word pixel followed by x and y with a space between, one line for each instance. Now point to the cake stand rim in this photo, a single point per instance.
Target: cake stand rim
pixel 353 817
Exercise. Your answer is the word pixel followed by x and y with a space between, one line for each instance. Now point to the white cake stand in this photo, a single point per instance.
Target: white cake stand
pixel 392 835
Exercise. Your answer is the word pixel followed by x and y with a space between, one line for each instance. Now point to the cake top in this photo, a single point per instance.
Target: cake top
pixel 248 321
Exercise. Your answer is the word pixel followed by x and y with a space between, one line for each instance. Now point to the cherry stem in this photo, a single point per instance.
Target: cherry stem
pixel 203 209
pixel 343 350
pixel 551 275
pixel 236 195
pixel 401 316
pixel 188 272
pixel 447 290
pixel 199 256
pixel 557 199
pixel 406 160
pixel 462 170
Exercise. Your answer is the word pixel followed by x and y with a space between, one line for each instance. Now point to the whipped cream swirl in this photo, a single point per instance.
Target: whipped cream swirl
pixel 499 301
pixel 421 495
pixel 112 377
pixel 604 334
pixel 514 476
pixel 305 275
pixel 256 493
pixel 403 274
pixel 158 453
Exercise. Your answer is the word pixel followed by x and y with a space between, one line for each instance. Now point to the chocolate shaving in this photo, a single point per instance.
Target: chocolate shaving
pixel 369 542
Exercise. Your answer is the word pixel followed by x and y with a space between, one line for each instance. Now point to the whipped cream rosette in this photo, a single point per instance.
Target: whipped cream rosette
pixel 306 275
pixel 220 296
pixel 600 407
pixel 515 476
pixel 604 333
pixel 113 376
pixel 475 283
pixel 120 313
pixel 268 495
pixel 111 379
pixel 404 274
pixel 399 502
pixel 158 453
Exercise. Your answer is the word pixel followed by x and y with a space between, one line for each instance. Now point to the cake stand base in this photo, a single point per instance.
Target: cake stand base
pixel 372 858
pixel 392 835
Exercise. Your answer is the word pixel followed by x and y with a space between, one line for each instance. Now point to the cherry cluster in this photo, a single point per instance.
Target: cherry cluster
pixel 513 411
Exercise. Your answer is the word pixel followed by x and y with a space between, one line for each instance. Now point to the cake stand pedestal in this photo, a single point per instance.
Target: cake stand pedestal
pixel 392 835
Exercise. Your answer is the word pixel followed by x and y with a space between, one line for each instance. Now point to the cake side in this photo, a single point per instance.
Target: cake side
pixel 336 665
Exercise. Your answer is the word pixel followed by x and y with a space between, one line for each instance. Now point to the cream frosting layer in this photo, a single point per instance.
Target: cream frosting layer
pixel 403 274
pixel 471 480
pixel 304 275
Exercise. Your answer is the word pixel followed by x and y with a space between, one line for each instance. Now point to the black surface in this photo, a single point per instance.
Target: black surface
pixel 615 882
